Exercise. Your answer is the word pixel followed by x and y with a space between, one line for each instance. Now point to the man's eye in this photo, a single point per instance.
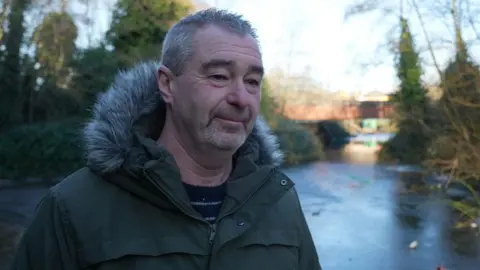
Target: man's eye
pixel 219 77
pixel 253 82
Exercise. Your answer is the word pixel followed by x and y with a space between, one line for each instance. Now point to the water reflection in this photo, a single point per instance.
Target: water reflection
pixel 409 220
pixel 364 216
pixel 353 153
pixel 462 243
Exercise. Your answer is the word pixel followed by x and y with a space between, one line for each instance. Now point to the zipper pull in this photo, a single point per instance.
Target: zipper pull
pixel 213 232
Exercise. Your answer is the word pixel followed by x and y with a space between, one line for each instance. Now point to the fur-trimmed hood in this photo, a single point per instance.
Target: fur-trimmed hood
pixel 133 105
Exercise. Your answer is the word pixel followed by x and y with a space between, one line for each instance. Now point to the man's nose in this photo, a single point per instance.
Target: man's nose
pixel 238 95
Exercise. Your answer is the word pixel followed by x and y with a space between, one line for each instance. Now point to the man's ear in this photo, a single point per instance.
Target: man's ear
pixel 164 81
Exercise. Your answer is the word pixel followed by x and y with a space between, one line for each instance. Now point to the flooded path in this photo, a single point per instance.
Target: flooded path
pixel 362 217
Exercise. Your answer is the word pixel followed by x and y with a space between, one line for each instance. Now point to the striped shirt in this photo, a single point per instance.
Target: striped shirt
pixel 206 200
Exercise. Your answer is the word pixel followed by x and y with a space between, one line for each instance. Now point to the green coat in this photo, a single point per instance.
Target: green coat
pixel 128 208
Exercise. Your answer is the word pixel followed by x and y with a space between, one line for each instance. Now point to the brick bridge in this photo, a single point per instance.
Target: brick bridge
pixel 343 111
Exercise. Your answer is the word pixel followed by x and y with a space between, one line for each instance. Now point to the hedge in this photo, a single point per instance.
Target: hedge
pixel 41 150
pixel 297 142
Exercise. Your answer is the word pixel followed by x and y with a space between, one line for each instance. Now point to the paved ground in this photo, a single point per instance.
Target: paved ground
pixel 361 217
pixel 17 206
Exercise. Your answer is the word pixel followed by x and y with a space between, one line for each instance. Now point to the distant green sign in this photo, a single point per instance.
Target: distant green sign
pixel 370 123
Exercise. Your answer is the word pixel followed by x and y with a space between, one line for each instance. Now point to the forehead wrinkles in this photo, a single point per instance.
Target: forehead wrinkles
pixel 212 40
pixel 229 47
pixel 240 57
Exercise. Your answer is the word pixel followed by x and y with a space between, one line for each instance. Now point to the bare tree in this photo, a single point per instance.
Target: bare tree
pixel 433 39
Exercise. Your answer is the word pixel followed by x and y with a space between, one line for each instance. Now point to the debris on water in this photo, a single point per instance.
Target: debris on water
pixel 353 185
pixel 316 213
pixel 441 268
pixel 466 224
pixel 413 245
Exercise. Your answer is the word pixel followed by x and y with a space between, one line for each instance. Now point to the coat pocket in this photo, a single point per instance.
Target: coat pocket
pixel 268 249
pixel 287 238
pixel 142 253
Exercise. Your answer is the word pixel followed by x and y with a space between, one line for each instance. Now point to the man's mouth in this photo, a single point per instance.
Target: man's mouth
pixel 233 124
pixel 230 121
pixel 232 118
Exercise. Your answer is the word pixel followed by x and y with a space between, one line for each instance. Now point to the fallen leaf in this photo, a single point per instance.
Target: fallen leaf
pixel 413 245
pixel 462 224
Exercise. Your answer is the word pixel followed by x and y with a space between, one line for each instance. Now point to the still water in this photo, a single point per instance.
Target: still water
pixel 364 217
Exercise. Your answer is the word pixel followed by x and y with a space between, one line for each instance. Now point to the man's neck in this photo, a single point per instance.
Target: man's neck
pixel 196 167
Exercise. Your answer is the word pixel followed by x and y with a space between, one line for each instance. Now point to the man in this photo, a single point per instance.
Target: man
pixel 181 172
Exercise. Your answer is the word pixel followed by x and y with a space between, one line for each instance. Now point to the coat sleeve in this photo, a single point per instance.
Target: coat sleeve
pixel 47 244
pixel 308 257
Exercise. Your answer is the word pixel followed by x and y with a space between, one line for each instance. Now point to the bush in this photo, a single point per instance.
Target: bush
pixel 456 150
pixel 41 150
pixel 298 144
pixel 414 137
pixel 401 148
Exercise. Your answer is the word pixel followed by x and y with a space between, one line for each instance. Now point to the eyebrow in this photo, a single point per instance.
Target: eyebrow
pixel 220 63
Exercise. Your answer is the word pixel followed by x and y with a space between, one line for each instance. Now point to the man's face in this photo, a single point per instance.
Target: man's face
pixel 217 97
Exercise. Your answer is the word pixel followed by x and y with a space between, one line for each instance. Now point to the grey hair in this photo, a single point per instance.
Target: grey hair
pixel 177 45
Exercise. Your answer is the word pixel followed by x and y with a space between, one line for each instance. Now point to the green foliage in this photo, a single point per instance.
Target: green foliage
pixel 57 33
pixel 34 117
pixel 298 143
pixel 469 210
pixel 411 142
pixel 95 69
pixel 460 86
pixel 10 74
pixel 398 148
pixel 411 95
pixel 268 105
pixel 28 101
pixel 139 27
pixel 456 151
pixel 41 150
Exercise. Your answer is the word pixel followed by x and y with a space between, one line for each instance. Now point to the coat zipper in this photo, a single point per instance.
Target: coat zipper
pixel 213 232
pixel 213 227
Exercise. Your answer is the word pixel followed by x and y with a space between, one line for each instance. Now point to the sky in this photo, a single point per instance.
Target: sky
pixel 312 36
